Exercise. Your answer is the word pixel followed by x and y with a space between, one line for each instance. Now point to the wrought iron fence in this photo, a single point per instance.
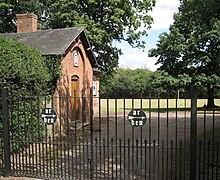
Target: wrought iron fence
pixel 179 140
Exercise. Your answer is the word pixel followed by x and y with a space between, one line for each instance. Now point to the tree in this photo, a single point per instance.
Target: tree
pixel 164 84
pixel 22 67
pixel 193 45
pixel 105 22
pixel 9 9
pixel 26 74
pixel 127 83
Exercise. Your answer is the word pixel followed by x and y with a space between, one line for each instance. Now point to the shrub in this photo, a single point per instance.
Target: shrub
pixel 26 74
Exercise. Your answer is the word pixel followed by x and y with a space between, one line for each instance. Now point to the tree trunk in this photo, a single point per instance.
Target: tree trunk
pixel 211 103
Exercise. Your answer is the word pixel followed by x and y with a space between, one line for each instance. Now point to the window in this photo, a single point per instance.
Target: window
pixel 94 86
pixel 75 59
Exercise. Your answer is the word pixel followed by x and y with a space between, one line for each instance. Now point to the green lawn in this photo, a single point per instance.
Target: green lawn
pixel 154 104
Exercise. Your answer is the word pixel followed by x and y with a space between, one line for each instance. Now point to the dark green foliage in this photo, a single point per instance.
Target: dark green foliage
pixel 193 45
pixel 164 84
pixel 6 18
pixel 22 67
pixel 127 83
pixel 25 120
pixel 53 64
pixel 105 21
pixel 26 76
pixel 9 9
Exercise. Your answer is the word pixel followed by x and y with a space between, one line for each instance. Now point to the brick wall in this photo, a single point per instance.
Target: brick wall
pixel 84 72
pixel 26 22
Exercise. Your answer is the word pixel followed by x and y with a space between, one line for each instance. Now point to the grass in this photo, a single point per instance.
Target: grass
pixel 152 104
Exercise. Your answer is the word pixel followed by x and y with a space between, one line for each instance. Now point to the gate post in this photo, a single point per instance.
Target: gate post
pixel 5 119
pixel 193 133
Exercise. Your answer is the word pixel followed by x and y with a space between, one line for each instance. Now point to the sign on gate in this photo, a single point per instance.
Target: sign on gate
pixel 137 118
pixel 49 116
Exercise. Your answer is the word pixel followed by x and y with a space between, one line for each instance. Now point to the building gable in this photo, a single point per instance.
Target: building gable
pixel 54 41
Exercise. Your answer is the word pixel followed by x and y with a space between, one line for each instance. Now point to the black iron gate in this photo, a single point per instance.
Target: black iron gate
pixel 178 141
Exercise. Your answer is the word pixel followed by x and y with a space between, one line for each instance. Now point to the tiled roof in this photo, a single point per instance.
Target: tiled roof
pixel 53 41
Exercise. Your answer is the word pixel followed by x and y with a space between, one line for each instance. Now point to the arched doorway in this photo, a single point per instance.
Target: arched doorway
pixel 75 99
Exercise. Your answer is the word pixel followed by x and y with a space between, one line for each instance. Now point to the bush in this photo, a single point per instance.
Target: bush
pixel 26 74
pixel 22 67
pixel 126 83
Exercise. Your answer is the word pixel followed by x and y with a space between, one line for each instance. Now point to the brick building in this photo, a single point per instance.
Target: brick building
pixel 78 63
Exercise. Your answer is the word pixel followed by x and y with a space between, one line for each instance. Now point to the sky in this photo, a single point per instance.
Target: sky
pixel 134 58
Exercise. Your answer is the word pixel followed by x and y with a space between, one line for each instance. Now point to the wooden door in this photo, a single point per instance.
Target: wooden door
pixel 75 98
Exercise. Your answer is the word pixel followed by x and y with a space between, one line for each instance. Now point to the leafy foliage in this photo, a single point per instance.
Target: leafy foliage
pixel 167 85
pixel 22 67
pixel 26 74
pixel 193 45
pixel 9 9
pixel 127 83
pixel 104 21
pixel 53 64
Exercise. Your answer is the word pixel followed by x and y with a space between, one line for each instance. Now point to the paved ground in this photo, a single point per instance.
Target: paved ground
pixel 129 161
pixel 160 126
pixel 17 178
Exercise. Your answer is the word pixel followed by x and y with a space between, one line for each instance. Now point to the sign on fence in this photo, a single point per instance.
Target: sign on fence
pixel 137 118
pixel 49 116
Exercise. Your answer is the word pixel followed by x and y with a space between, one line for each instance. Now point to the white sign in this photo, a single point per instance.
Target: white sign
pixel 137 118
pixel 49 116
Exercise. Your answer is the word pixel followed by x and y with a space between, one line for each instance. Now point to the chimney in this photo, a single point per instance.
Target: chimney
pixel 26 22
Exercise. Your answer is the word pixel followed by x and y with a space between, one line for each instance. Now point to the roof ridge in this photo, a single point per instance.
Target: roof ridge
pixel 44 30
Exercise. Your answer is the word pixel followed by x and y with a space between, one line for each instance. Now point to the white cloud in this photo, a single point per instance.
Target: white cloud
pixel 136 58
pixel 132 60
pixel 163 16
pixel 163 13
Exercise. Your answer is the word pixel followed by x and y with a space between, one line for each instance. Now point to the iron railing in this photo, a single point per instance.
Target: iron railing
pixel 179 140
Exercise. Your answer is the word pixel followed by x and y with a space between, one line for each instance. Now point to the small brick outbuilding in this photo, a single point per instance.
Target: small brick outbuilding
pixel 78 62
